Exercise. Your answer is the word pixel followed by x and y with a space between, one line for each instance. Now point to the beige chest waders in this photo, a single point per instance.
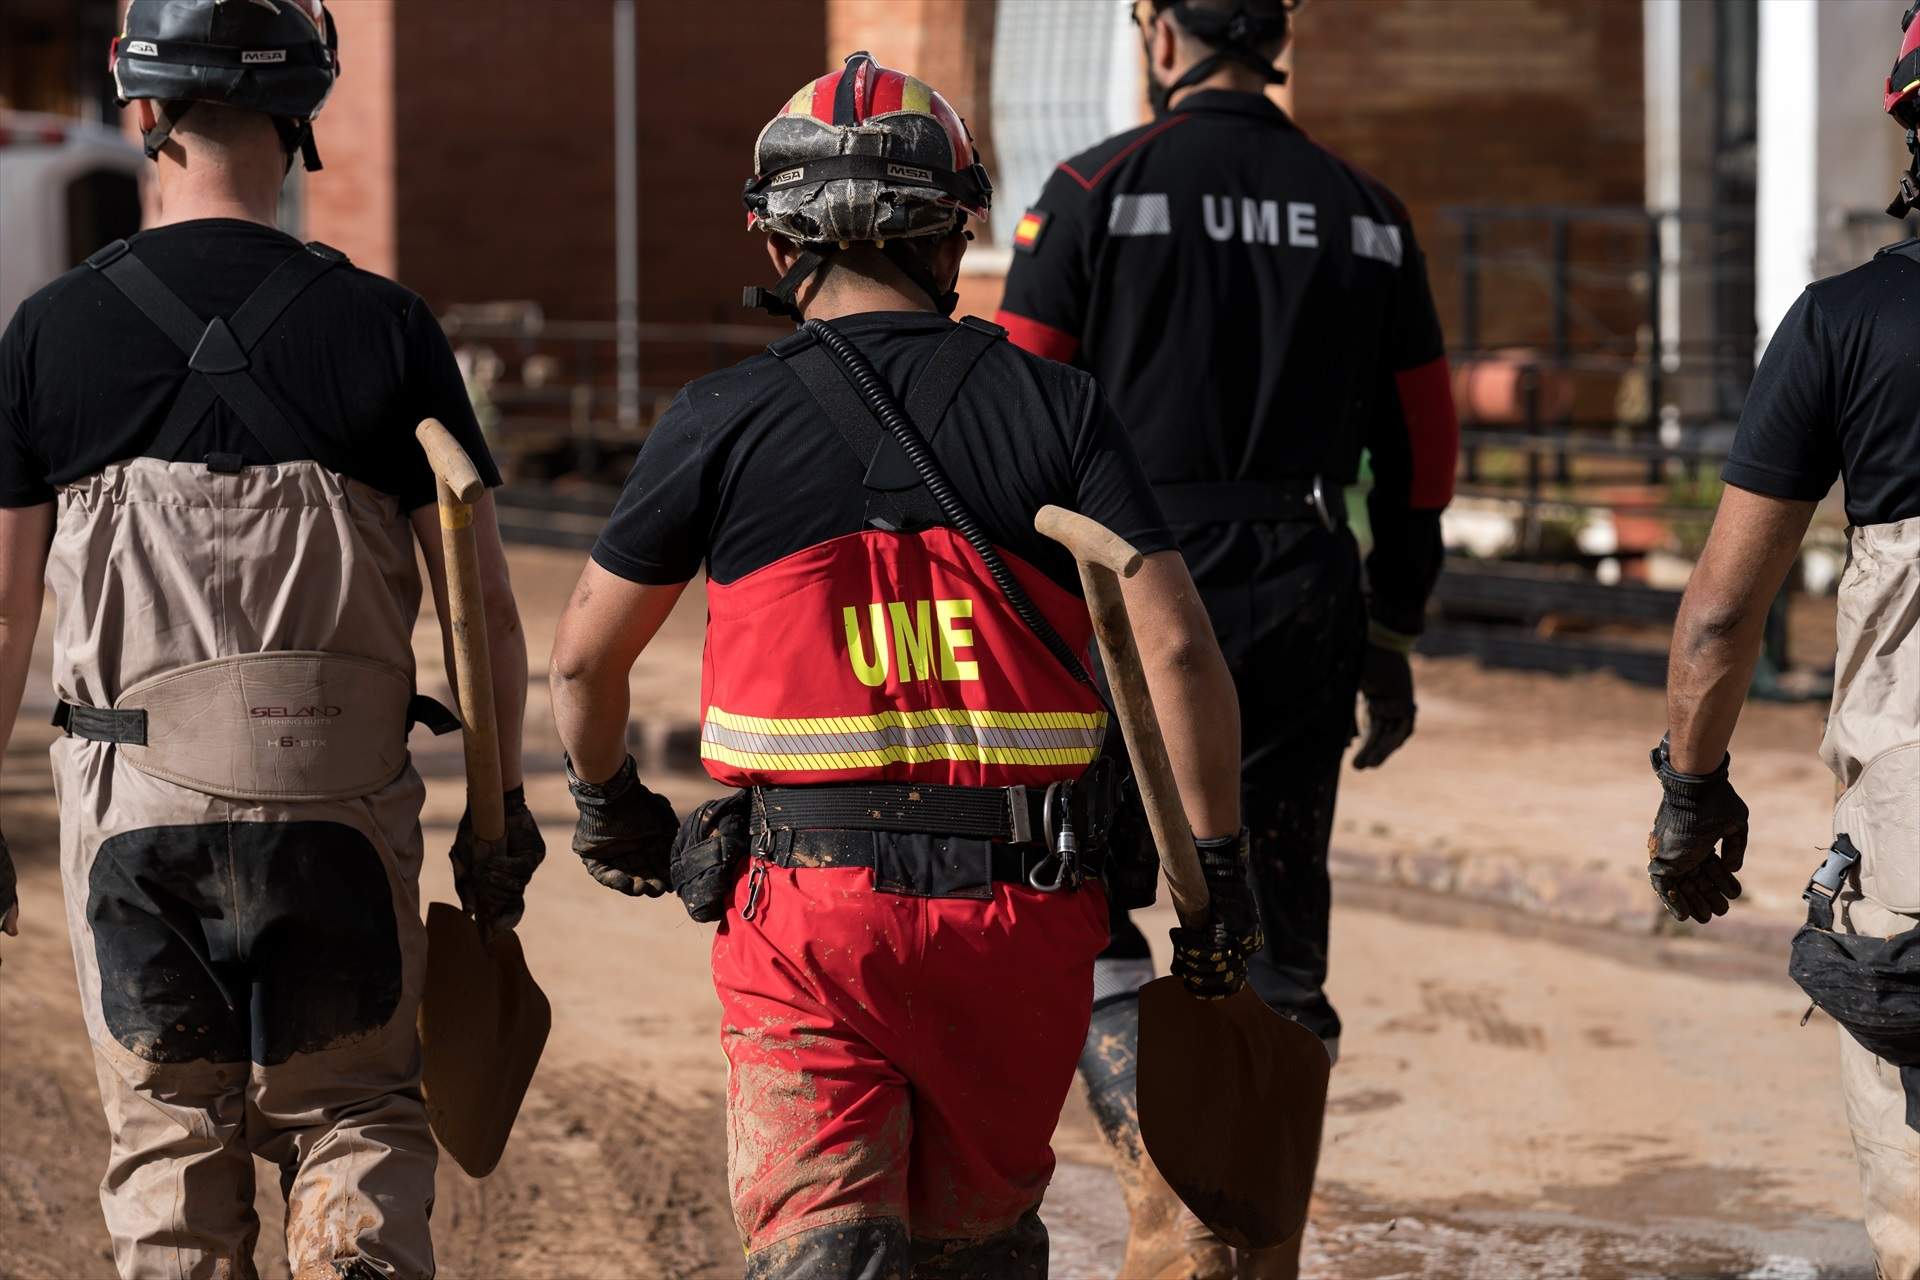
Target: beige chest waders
pixel 1872 744
pixel 240 837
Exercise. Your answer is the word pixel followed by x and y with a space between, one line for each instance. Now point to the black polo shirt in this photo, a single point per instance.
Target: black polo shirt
pixel 1837 395
pixel 355 363
pixel 1258 310
pixel 745 469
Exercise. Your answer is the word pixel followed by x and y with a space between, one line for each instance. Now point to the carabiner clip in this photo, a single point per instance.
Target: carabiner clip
pixel 1064 844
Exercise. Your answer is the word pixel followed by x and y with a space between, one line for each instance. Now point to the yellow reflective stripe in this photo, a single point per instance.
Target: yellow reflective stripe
pixel 827 761
pixel 915 96
pixel 909 720
pixel 802 102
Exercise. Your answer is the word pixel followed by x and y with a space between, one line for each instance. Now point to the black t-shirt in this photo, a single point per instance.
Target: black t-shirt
pixel 1837 395
pixel 86 380
pixel 745 468
pixel 1259 311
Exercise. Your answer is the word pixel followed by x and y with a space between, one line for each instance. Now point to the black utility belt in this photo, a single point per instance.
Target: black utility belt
pixel 1017 815
pixel 1050 837
pixel 930 866
pixel 1298 500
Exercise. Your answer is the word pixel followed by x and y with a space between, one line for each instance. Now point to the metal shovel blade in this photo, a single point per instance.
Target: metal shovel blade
pixel 1231 1098
pixel 483 1023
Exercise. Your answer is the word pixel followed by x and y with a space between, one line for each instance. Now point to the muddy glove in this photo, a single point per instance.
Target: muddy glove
pixel 490 876
pixel 625 834
pixel 1386 680
pixel 1697 812
pixel 1212 962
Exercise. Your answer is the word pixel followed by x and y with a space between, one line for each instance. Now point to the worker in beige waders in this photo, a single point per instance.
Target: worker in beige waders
pixel 206 438
pixel 1837 396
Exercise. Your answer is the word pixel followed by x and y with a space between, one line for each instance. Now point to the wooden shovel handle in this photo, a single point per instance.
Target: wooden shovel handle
pixel 1104 558
pixel 459 487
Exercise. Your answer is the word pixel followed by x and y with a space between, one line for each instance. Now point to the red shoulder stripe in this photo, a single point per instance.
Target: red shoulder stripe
pixel 1041 339
pixel 1122 154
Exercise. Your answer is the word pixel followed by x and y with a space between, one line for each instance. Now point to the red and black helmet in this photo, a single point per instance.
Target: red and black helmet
pixel 1902 102
pixel 1903 83
pixel 865 154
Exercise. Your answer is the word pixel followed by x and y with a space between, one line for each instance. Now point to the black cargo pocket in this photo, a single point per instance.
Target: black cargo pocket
pixel 708 844
pixel 245 940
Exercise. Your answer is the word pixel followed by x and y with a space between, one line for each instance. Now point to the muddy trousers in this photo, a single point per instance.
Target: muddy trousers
pixel 250 987
pixel 897 1065
pixel 1886 1147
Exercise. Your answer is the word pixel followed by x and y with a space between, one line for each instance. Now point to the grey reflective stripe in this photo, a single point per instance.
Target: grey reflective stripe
pixel 902 736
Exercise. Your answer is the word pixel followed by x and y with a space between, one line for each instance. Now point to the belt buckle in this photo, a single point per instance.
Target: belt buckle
pixel 1318 499
pixel 1019 816
pixel 1831 874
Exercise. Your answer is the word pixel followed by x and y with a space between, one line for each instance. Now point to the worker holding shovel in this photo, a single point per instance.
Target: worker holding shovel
pixel 207 442
pixel 911 877
pixel 1259 312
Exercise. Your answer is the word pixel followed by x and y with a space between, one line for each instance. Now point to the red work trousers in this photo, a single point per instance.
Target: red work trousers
pixel 895 1057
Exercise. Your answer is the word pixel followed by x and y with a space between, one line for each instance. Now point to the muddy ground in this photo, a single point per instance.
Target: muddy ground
pixel 1518 1096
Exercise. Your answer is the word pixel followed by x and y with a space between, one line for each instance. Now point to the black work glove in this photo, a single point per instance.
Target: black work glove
pixel 1386 680
pixel 1697 812
pixel 1212 962
pixel 625 833
pixel 490 876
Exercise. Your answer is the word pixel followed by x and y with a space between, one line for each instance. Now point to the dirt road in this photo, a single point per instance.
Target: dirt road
pixel 1514 1098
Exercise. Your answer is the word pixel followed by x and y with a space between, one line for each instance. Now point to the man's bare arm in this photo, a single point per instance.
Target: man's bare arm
pixel 1193 693
pixel 607 624
pixel 1718 633
pixel 506 641
pixel 25 535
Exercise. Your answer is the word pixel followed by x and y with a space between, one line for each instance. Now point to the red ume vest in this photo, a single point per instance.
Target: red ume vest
pixel 891 657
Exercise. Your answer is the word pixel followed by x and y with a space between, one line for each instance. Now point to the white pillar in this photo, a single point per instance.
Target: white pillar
pixel 1828 157
pixel 1678 56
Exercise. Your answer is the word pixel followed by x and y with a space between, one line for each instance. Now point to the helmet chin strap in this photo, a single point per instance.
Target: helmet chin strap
pixel 1908 197
pixel 779 300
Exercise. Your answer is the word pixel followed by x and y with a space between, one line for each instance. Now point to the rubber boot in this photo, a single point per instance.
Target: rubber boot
pixel 1164 1240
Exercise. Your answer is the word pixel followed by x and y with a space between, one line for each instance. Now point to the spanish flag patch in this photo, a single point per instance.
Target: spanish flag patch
pixel 1026 232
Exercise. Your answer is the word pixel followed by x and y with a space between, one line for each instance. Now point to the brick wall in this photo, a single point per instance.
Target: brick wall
pixel 473 160
pixel 707 87
pixel 1485 102
pixel 351 203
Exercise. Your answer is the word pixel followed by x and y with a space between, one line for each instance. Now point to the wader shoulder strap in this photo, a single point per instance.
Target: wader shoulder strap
pixel 219 350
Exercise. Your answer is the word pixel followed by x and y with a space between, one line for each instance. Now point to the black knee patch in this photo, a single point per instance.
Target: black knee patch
pixel 234 941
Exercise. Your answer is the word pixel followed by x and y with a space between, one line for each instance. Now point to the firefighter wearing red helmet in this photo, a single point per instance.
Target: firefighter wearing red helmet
pixel 1833 398
pixel 910 874
pixel 206 443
